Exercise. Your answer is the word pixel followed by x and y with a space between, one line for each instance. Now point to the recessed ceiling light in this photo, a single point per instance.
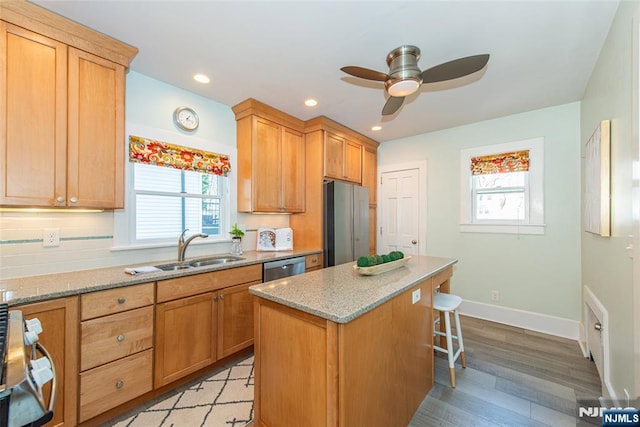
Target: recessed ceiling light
pixel 310 102
pixel 201 78
pixel 376 128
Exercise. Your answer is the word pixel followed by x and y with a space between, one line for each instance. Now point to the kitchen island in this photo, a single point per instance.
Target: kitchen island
pixel 334 348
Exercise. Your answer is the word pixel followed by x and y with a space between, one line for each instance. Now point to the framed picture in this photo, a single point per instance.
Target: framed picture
pixel 597 175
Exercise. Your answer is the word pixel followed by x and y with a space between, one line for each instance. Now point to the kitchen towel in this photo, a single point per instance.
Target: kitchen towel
pixel 141 270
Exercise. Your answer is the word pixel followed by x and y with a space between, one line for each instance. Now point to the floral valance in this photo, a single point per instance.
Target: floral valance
pixel 516 161
pixel 142 150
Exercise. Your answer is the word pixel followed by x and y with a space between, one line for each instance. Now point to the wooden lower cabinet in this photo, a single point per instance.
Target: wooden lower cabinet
pixel 372 371
pixel 185 337
pixel 59 320
pixel 313 262
pixel 108 338
pixel 235 319
pixel 115 383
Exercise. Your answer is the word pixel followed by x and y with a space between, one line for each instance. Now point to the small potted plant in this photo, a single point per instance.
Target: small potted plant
pixel 236 238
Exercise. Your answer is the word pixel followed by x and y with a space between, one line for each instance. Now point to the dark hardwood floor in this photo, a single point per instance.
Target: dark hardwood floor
pixel 514 377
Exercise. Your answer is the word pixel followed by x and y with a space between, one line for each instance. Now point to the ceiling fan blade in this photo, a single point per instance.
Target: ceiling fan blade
pixel 392 105
pixel 454 69
pixel 365 73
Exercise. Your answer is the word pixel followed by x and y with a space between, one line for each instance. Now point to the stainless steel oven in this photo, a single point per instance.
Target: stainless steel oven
pixel 283 268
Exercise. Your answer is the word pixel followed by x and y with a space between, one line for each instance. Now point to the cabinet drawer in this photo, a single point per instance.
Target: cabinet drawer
pixel 197 284
pixel 108 338
pixel 112 301
pixel 111 385
pixel 313 261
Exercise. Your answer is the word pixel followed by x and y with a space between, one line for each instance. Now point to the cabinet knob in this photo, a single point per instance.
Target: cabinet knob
pixel 222 296
pixel 413 242
pixel 60 199
pixel 119 384
pixel 73 200
pixel 121 300
pixel 120 338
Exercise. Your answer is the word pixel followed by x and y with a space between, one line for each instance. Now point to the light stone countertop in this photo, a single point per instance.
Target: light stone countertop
pixel 340 294
pixel 30 289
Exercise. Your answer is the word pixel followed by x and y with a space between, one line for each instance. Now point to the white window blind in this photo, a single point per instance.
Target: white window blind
pixel 169 200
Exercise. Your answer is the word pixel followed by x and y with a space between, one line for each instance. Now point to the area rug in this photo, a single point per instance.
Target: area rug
pixel 225 398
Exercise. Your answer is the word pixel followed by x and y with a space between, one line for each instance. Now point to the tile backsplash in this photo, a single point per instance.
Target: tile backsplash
pixel 86 242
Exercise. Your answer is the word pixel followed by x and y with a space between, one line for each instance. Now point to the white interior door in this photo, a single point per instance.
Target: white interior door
pixel 399 215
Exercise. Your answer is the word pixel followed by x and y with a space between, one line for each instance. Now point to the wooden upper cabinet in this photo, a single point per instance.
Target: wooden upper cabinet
pixel 271 159
pixel 293 170
pixel 95 172
pixel 33 117
pixel 342 159
pixel 62 119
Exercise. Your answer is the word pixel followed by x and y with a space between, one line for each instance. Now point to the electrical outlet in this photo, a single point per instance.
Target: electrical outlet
pixel 415 295
pixel 51 237
pixel 495 296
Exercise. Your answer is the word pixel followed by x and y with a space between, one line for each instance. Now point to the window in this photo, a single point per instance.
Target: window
pixel 171 187
pixel 500 197
pixel 501 188
pixel 169 200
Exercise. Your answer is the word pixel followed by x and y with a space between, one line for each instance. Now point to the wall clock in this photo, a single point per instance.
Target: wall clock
pixel 186 119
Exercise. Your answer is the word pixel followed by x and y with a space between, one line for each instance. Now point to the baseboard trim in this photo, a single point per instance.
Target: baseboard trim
pixel 523 319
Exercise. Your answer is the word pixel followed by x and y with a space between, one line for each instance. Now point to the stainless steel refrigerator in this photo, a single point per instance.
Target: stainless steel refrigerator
pixel 346 222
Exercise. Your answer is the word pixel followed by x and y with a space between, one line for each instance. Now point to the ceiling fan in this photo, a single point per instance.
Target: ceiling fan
pixel 405 77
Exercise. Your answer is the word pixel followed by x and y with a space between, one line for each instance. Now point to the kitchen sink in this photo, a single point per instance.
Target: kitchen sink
pixel 173 267
pixel 199 263
pixel 215 260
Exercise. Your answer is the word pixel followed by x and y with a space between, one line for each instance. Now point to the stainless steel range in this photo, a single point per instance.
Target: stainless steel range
pixel 26 367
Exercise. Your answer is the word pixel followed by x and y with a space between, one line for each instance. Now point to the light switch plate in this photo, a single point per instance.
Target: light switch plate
pixel 415 296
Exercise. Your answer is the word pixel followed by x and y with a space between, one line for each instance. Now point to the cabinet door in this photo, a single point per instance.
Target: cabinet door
pixel 333 156
pixel 369 173
pixel 293 171
pixel 59 320
pixel 33 114
pixel 352 161
pixel 266 166
pixel 185 337
pixel 235 319
pixel 372 230
pixel 95 173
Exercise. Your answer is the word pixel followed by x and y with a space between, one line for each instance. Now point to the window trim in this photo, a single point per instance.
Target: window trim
pixel 535 223
pixel 124 220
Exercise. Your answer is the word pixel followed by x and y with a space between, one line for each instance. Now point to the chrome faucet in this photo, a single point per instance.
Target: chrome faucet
pixel 182 244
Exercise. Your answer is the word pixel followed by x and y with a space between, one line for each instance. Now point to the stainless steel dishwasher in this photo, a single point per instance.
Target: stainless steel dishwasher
pixel 283 268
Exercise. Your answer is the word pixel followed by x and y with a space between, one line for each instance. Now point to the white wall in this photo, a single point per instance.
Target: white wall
pixel 540 274
pixel 87 238
pixel 607 268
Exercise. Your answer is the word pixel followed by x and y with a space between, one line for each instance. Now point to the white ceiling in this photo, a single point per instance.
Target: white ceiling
pixel 542 53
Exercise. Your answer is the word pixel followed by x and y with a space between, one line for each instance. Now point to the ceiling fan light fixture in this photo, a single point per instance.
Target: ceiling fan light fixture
pixel 404 87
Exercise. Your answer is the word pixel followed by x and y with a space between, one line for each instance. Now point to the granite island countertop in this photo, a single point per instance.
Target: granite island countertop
pixel 30 289
pixel 340 294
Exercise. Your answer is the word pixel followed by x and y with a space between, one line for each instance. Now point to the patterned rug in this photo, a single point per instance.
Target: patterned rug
pixel 224 398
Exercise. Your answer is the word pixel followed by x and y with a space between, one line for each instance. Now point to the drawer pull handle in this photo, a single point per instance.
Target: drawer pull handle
pixel 121 300
pixel 119 384
pixel 120 338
